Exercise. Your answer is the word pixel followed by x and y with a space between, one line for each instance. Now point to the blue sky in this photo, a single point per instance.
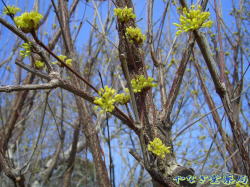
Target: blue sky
pixel 88 10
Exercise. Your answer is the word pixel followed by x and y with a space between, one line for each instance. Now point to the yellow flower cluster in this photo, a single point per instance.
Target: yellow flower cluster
pixel 65 59
pixel 123 98
pixel 108 98
pixel 158 148
pixel 193 19
pixel 106 101
pixel 39 64
pixel 11 10
pixel 124 14
pixel 141 82
pixel 26 50
pixel 135 35
pixel 28 21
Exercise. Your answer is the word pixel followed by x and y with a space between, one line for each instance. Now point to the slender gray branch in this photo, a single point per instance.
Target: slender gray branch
pixel 11 88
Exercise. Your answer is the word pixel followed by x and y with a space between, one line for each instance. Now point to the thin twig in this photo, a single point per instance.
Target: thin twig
pixel 191 124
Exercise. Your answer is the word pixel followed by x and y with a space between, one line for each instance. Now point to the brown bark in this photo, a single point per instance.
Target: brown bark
pixel 71 160
pixel 6 134
pixel 88 126
pixel 131 55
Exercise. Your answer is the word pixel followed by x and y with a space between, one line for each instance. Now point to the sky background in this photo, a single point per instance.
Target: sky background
pixel 85 13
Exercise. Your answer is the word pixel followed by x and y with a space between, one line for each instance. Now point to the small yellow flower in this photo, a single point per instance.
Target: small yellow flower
pixel 193 19
pixel 212 35
pixel 108 98
pixel 62 57
pixel 11 10
pixel 39 64
pixel 65 59
pixel 26 49
pixel 54 26
pixel 69 62
pixel 201 126
pixel 158 148
pixel 140 82
pixel 122 98
pixel 202 137
pixel 172 61
pixel 28 21
pixel 135 35
pixel 194 92
pixel 124 14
